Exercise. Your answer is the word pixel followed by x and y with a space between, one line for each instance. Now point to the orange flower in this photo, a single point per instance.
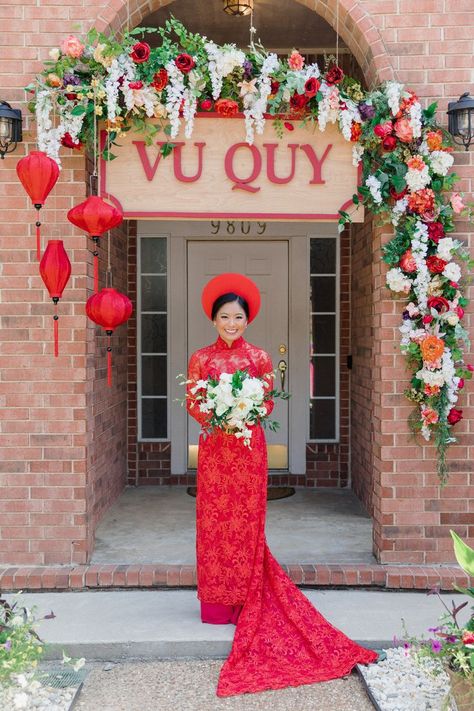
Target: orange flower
pixel 434 139
pixel 421 201
pixel 356 131
pixel 432 390
pixel 432 348
pixel 226 107
pixel 429 416
pixel 416 163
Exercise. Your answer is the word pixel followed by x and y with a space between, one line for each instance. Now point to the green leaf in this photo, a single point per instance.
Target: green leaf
pixel 78 110
pixel 355 199
pixel 464 554
pixel 166 149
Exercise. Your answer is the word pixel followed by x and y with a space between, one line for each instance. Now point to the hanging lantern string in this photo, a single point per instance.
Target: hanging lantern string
pixel 252 30
pixel 93 177
pixel 108 274
pixel 337 32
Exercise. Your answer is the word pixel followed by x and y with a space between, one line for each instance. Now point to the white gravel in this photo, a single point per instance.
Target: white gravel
pixel 400 683
pixel 28 694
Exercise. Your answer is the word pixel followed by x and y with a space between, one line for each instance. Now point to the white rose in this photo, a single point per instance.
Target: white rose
pixel 452 271
pixel 452 318
pixel 54 54
pixel 445 247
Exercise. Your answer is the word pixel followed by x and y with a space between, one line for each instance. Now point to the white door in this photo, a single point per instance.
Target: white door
pixel 266 263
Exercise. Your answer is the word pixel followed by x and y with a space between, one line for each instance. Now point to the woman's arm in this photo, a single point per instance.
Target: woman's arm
pixel 192 406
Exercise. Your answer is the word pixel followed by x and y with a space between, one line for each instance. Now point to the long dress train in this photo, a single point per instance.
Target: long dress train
pixel 280 639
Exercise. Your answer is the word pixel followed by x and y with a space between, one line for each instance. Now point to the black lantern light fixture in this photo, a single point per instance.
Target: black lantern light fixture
pixel 238 7
pixel 461 120
pixel 10 128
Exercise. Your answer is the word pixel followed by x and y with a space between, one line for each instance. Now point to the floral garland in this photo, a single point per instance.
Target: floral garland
pixel 405 158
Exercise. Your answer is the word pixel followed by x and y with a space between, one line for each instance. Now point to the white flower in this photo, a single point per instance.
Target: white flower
pixel 54 54
pixel 415 119
pixel 241 408
pixel 398 210
pixel 393 92
pixel 452 271
pixel 445 248
pixel 357 153
pixel 441 162
pixel 431 377
pixel 452 318
pixel 222 61
pixel 79 664
pixel 374 186
pixel 397 281
pixel 417 179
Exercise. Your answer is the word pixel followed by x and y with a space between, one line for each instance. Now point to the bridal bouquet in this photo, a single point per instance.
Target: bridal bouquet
pixel 234 402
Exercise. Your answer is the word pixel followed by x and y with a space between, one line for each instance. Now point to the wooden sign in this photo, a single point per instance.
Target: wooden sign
pixel 304 175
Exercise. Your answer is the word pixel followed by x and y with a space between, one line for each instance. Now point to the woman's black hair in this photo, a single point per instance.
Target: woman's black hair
pixel 229 298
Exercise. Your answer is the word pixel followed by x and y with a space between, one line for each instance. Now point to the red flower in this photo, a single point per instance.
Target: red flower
pixel 454 416
pixel 298 101
pixel 160 80
pixel 407 262
pixel 389 143
pixel 397 196
pixel 470 367
pixel 68 142
pixel 140 52
pixel 382 130
pixel 136 84
pixel 205 105
pixel 185 63
pixel 427 319
pixel 435 231
pixel 226 107
pixel 435 264
pixel 468 637
pixel 274 86
pixel 289 126
pixel 460 311
pixel 461 383
pixel 335 75
pixel 311 87
pixel 71 97
pixel 438 303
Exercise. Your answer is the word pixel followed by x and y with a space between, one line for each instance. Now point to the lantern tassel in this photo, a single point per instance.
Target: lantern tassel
pixel 96 264
pixel 56 328
pixel 109 363
pixel 38 235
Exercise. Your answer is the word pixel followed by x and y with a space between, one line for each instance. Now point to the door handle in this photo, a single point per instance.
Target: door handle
pixel 282 367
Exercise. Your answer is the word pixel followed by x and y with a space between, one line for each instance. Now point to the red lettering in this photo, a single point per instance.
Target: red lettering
pixel 178 169
pixel 149 169
pixel 316 163
pixel 243 183
pixel 272 177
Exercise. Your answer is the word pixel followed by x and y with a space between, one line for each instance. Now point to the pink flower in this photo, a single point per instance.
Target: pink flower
pixel 289 126
pixel 295 61
pixel 457 203
pixel 461 383
pixel 427 318
pixel 460 311
pixel 382 130
pixel 470 367
pixel 72 47
pixel 429 415
pixel 404 130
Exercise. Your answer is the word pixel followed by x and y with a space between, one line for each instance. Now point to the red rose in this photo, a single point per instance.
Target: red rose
pixel 468 637
pixel 389 143
pixel 407 262
pixel 438 303
pixel 460 311
pixel 470 367
pixel 454 416
pixel 160 80
pixel 71 97
pixel 140 52
pixel 274 86
pixel 68 142
pixel 435 231
pixel 298 101
pixel 382 130
pixel 185 63
pixel 334 76
pixel 226 107
pixel 427 318
pixel 397 196
pixel 136 84
pixel 461 383
pixel 454 284
pixel 289 126
pixel 205 105
pixel 435 264
pixel 311 87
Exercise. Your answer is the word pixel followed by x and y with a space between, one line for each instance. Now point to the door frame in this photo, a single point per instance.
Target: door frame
pixel 298 236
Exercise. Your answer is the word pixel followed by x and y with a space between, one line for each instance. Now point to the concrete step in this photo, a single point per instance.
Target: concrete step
pixel 159 624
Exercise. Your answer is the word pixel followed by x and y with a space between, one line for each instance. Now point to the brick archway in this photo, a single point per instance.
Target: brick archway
pixel 356 28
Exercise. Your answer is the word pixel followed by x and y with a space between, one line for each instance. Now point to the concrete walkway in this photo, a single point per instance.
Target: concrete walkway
pixel 155 524
pixel 165 624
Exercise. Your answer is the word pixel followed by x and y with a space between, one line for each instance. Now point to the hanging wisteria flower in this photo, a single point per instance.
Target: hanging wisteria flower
pixel 374 186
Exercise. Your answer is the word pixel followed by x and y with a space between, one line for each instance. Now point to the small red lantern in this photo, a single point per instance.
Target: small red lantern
pixel 38 174
pixel 55 270
pixel 109 309
pixel 95 216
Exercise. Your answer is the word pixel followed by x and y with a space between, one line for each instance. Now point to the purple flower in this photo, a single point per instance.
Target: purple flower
pixel 434 629
pixel 8 645
pixel 367 111
pixel 451 639
pixel 248 69
pixel 406 316
pixel 436 646
pixel 71 79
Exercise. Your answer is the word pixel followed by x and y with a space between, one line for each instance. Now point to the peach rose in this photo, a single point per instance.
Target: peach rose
pixel 403 130
pixel 457 203
pixel 295 61
pixel 72 47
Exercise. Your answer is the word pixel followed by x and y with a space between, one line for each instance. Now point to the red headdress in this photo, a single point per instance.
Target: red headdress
pixel 231 283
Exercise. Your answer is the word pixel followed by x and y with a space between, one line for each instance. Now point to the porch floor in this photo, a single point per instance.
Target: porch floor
pixel 156 524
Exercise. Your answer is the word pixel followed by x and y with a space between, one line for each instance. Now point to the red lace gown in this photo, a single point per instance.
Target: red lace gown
pixel 280 639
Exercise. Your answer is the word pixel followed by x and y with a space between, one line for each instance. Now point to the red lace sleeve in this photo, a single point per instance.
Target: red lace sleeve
pixel 194 374
pixel 266 368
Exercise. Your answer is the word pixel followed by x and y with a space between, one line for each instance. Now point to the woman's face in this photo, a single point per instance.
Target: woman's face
pixel 230 322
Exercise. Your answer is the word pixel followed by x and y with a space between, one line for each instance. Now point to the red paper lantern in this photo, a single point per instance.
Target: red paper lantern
pixel 109 309
pixel 95 216
pixel 55 270
pixel 38 174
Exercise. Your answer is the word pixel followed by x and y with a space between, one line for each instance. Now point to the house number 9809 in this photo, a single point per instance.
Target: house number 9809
pixel 237 228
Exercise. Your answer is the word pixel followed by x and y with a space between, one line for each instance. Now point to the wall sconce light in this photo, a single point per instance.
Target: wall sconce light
pixel 461 120
pixel 238 7
pixel 10 128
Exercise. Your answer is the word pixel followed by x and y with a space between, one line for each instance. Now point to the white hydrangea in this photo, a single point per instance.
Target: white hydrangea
pixel 397 281
pixel 222 61
pixel 445 248
pixel 374 186
pixel 452 271
pixel 441 162
pixel 431 377
pixel 417 179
